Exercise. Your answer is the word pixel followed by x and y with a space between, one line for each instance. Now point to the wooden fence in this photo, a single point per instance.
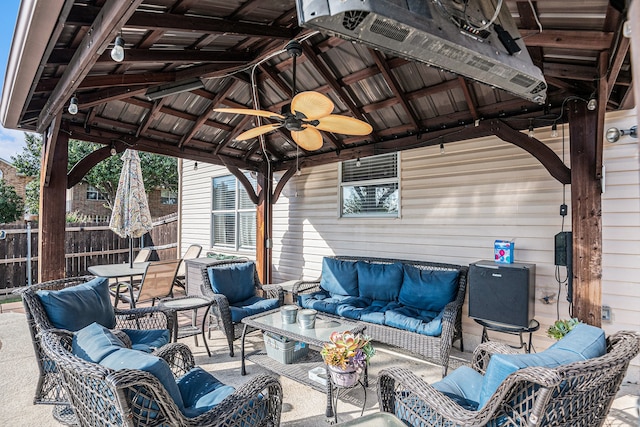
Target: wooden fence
pixel 86 244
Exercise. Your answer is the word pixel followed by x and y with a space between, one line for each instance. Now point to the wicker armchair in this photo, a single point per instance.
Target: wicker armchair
pixel 104 397
pixel 574 394
pixel 220 312
pixel 48 390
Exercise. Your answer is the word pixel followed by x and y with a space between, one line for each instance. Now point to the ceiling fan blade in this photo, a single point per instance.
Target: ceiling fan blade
pixel 344 125
pixel 248 111
pixel 312 104
pixel 252 133
pixel 309 138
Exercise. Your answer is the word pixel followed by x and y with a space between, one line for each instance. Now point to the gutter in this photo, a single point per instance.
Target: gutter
pixel 36 23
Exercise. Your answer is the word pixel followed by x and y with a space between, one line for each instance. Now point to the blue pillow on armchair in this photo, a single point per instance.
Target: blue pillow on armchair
pixel 235 280
pixel 77 306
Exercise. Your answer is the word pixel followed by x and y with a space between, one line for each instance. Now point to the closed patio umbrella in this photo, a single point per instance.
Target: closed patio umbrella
pixel 130 216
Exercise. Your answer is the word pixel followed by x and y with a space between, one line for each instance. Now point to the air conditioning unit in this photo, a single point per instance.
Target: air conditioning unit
pixel 447 34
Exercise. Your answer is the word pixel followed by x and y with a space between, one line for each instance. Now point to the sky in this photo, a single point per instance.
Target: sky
pixel 11 141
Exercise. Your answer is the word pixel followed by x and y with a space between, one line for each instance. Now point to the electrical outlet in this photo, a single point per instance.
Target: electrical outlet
pixel 606 313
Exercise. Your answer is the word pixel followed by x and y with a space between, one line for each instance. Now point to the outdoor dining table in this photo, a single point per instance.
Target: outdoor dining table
pixel 119 270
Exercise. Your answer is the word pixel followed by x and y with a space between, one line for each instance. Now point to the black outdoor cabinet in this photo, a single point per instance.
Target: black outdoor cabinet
pixel 502 293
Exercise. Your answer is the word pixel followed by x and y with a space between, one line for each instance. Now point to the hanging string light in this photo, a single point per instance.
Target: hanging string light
pixel 117 53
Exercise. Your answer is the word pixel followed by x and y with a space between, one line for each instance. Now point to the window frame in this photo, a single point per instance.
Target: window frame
pixel 173 197
pixel 376 181
pixel 237 211
pixel 99 196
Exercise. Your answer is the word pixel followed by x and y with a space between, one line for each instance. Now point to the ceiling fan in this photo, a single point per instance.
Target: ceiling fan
pixel 308 114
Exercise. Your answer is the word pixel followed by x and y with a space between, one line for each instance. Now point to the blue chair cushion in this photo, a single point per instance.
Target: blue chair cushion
pixel 126 358
pixel 339 277
pixel 201 391
pixel 235 281
pixel 582 343
pixel 423 322
pixel 322 301
pixel 428 290
pixel 379 282
pixel 251 306
pixel 365 310
pixel 94 342
pixel 77 306
pixel 147 340
pixel 463 386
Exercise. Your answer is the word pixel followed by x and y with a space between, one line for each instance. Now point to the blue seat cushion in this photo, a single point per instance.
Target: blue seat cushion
pixel 428 290
pixel 379 282
pixel 126 358
pixel 366 310
pixel 235 281
pixel 423 322
pixel 147 340
pixel 463 386
pixel 322 301
pixel 201 391
pixel 582 343
pixel 77 306
pixel 339 277
pixel 94 342
pixel 251 306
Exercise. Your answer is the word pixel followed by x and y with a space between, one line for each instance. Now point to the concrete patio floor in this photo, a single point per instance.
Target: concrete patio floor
pixel 303 406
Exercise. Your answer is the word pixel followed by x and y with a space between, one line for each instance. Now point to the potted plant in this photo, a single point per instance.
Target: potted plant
pixel 560 328
pixel 346 356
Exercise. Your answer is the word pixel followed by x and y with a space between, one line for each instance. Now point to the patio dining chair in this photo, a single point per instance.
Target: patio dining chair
pixel 235 287
pixel 192 252
pixel 157 283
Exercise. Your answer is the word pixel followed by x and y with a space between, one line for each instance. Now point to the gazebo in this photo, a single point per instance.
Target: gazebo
pixel 68 78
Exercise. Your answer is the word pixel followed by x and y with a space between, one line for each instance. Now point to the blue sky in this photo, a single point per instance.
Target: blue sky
pixel 11 141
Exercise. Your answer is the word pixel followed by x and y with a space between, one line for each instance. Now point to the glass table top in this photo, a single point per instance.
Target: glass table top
pixel 323 329
pixel 185 303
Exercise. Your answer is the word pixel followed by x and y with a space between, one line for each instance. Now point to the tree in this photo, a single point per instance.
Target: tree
pixel 11 205
pixel 157 171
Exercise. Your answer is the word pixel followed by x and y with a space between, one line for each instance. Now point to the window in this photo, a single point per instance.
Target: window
pixel 233 218
pixel 94 194
pixel 369 187
pixel 168 197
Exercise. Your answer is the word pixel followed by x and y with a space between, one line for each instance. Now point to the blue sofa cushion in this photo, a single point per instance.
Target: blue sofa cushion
pixel 201 391
pixel 582 343
pixel 339 277
pixel 77 306
pixel 366 310
pixel 94 342
pixel 126 358
pixel 379 282
pixel 251 306
pixel 235 281
pixel 147 340
pixel 423 322
pixel 463 386
pixel 322 301
pixel 428 290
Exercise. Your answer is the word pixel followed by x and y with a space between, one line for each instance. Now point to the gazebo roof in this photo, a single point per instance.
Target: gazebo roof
pixel 62 49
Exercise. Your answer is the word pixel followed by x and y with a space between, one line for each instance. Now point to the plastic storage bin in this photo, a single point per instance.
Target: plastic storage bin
pixel 283 349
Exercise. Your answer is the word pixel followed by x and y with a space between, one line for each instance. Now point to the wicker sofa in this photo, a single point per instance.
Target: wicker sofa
pixel 414 305
pixel 552 393
pixel 127 387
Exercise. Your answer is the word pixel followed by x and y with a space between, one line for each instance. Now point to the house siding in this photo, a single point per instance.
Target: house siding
pixel 453 206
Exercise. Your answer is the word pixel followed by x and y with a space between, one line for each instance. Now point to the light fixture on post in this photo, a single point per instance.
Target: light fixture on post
pixel 614 134
pixel 173 88
pixel 592 104
pixel 73 106
pixel 117 52
pixel 554 130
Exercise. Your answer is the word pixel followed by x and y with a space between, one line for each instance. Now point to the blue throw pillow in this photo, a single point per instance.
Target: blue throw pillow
pixel 95 342
pixel 77 306
pixel 201 391
pixel 235 281
pixel 380 282
pixel 147 340
pixel 126 358
pixel 429 290
pixel 339 277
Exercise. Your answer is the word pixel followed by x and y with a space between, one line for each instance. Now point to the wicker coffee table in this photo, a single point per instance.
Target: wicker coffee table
pixel 325 325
